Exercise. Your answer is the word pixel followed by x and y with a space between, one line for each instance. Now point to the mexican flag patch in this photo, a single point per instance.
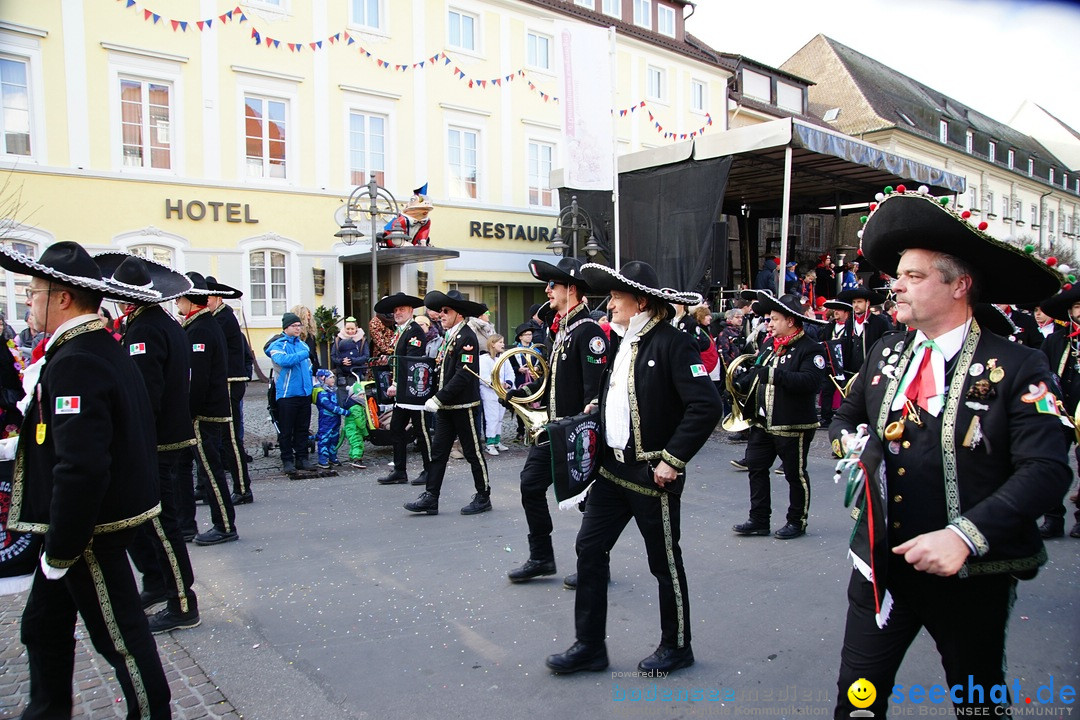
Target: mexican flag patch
pixel 198 347
pixel 137 349
pixel 698 371
pixel 67 405
pixel 466 358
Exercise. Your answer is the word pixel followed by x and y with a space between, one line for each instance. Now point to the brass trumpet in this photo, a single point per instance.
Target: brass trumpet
pixel 535 419
pixel 735 421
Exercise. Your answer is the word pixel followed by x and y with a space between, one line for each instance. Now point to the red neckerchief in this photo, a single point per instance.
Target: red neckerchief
pixel 555 324
pixel 194 309
pixel 39 350
pixel 861 318
pixel 1008 311
pixel 780 343
pixel 1075 329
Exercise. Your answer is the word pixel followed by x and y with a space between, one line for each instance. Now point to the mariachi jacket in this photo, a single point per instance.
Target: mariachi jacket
pixel 785 397
pixel 409 342
pixel 235 347
pixel 874 326
pixel 86 462
pixel 209 398
pixel 1061 352
pixel 999 462
pixel 459 388
pixel 674 406
pixel 161 350
pixel 578 359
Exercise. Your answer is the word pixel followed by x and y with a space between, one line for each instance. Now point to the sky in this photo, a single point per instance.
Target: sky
pixel 988 54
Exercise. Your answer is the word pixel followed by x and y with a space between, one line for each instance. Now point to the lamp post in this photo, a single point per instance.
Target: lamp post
pixel 380 202
pixel 576 223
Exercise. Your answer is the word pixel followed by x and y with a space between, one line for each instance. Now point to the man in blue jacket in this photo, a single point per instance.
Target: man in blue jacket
pixel 291 358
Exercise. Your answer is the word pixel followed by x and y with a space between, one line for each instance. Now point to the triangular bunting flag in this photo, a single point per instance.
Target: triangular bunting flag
pixel 175 24
pixel 147 14
pixel 277 43
pixel 243 17
pixel 156 18
pixel 255 35
pixel 200 24
pixel 421 63
pixel 312 45
pixel 130 3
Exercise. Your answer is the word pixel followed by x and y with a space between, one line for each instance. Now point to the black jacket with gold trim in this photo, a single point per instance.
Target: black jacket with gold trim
pixel 999 462
pixel 86 462
pixel 160 349
pixel 410 343
pixel 785 398
pixel 874 326
pixel 578 360
pixel 234 343
pixel 209 393
pixel 1060 351
pixel 459 388
pixel 674 405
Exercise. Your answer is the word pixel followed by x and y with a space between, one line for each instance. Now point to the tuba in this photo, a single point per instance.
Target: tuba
pixel 535 420
pixel 736 420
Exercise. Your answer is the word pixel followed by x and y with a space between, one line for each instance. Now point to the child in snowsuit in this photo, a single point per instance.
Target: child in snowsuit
pixel 356 424
pixel 329 434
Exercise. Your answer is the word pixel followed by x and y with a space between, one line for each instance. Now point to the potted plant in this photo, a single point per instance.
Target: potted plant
pixel 326 329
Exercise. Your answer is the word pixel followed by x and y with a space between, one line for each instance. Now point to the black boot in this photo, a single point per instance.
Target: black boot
pixel 532 569
pixel 480 503
pixel 397 477
pixel 580 656
pixel 666 659
pixel 1052 527
pixel 421 479
pixel 426 503
pixel 751 528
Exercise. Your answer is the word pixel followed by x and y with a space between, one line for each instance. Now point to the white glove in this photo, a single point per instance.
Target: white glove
pixel 8 447
pixel 431 406
pixel 49 571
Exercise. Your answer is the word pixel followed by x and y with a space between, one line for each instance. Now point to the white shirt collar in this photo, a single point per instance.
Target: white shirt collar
pixel 949 343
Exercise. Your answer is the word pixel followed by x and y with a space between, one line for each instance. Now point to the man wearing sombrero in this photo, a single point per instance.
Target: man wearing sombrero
pixel 456 404
pixel 237 376
pixel 1062 349
pixel 839 353
pixel 863 327
pixel 657 407
pixel 577 360
pixel 782 388
pixel 408 342
pixel 965 449
pixel 160 350
pixel 210 411
pixel 85 478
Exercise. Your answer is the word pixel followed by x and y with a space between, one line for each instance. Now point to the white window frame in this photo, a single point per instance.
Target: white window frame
pixel 780 85
pixel 992 151
pixel 660 92
pixel 969 141
pixel 146 148
pixel 533 38
pixel 756 77
pixel 699 101
pixel 477 41
pixel 591 4
pixel 459 119
pixel 153 70
pixel 273 243
pixel 371 105
pixel 1031 166
pixel 646 6
pixel 973 198
pixel 17 46
pixel 1034 215
pixel 554 145
pixel 380 28
pixel 612 8
pixel 151 235
pixel 663 11
pixel 14 303
pixel 943 131
pixel 990 209
pixel 368 168
pixel 269 89
pixel 1012 159
pixel 1050 176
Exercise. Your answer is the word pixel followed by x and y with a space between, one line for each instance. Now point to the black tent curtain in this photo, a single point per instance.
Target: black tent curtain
pixel 669 217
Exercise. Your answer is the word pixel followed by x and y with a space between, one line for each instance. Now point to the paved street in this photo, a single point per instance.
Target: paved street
pixel 337 603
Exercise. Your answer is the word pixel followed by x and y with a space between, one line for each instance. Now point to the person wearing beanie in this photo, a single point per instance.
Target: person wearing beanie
pixel 292 386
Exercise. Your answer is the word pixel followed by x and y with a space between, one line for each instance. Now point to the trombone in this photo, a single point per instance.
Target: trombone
pixel 535 420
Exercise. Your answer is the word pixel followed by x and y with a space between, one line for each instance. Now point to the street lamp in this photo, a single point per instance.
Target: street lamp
pixel 574 223
pixel 381 202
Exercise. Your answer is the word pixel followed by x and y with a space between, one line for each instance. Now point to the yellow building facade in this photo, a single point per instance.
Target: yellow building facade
pixel 225 138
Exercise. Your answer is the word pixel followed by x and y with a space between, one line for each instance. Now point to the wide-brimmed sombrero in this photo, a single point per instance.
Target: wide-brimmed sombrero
pixel 993 319
pixel 199 290
pixel 566 272
pixel 902 219
pixel 837 305
pixel 637 278
pixel 861 293
pixel 221 289
pixel 398 299
pixel 68 263
pixel 134 271
pixel 437 300
pixel 787 305
pixel 1059 305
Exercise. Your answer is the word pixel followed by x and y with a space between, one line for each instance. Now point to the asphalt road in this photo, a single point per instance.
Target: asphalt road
pixel 337 603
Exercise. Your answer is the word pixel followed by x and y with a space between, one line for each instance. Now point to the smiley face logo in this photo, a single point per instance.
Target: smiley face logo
pixel 862 693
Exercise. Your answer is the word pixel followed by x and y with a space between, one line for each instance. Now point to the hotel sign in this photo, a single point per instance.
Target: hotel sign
pixel 214 211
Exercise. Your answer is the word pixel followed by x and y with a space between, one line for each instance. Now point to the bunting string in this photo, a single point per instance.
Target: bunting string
pixel 237 16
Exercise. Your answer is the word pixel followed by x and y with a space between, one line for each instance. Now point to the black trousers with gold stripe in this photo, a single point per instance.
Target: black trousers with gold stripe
pixel 610 507
pixel 208 456
pixel 762 449
pixel 159 551
pixel 100 588
pixel 465 425
pixel 232 449
pixel 399 422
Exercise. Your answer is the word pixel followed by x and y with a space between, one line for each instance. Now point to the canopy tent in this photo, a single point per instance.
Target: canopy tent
pixel 778 168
